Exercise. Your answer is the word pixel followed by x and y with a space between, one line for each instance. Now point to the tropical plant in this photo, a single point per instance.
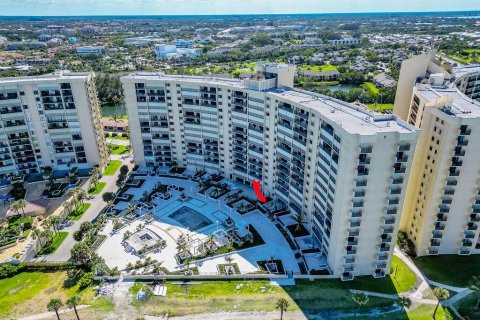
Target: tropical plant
pixel 474 285
pixel 441 294
pixel 15 207
pixel 73 302
pixel 107 196
pixel 54 221
pixel 81 195
pixel 54 305
pixel 282 304
pixel 360 299
pixel 404 302
pixel 299 220
pixel 22 203
pixel 93 182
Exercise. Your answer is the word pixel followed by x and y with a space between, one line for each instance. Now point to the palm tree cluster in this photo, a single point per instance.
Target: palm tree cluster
pixel 19 205
pixel 55 304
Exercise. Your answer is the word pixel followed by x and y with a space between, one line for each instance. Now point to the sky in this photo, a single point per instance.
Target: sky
pixel 206 7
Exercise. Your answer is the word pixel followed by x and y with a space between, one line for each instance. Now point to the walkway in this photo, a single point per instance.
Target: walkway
pixel 97 204
pixel 51 315
pixel 118 141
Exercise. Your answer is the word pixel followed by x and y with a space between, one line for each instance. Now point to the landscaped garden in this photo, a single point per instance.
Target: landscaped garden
pixel 16 228
pixel 112 167
pixel 97 189
pixel 118 149
pixel 78 211
pixel 52 245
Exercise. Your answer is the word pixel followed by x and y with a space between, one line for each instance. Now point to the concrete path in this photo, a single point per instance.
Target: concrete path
pixel 257 315
pixel 51 315
pixel 118 141
pixel 97 204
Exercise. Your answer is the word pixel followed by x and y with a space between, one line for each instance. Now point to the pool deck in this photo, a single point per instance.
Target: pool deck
pixel 169 229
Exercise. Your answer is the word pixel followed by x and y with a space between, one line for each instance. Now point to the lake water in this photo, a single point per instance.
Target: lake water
pixel 342 87
pixel 111 111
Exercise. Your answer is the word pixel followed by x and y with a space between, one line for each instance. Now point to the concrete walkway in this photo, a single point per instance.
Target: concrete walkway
pixel 118 141
pixel 97 204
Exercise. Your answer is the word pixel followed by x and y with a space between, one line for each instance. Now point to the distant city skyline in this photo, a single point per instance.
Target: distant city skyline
pixel 207 7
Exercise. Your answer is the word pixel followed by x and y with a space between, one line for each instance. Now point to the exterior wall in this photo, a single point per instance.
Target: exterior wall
pixel 303 158
pixel 59 120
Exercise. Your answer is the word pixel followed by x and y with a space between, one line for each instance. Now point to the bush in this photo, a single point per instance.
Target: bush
pixel 124 135
pixel 107 134
pixel 114 134
pixel 9 270
pixel 86 280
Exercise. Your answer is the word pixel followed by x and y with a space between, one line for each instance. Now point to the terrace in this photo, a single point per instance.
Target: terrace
pixel 199 225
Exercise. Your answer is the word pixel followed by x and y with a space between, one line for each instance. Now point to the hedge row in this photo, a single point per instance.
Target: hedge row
pixel 9 270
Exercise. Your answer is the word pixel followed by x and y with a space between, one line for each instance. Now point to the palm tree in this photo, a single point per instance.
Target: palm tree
pixel 22 203
pixel 73 194
pixel 475 286
pixel 46 234
pixel 81 195
pixel 282 304
pixel 299 220
pixel 441 294
pixel 68 205
pixel 15 207
pixel 404 302
pixel 360 299
pixel 54 221
pixel 73 302
pixel 54 305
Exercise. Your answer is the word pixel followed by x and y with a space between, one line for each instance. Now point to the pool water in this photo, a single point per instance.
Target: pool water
pixel 190 218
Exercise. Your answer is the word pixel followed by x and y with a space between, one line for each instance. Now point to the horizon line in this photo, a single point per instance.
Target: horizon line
pixel 238 14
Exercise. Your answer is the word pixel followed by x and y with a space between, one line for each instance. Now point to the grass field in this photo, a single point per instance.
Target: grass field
pixel 323 297
pixel 120 117
pixel 112 167
pixel 54 244
pixel 322 68
pixel 119 149
pixel 381 106
pixel 78 212
pixel 370 87
pixel 453 270
pixel 29 292
pixel 98 189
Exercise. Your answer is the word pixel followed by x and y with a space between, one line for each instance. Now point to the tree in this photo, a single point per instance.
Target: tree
pixel 124 170
pixel 360 299
pixel 441 294
pixel 54 305
pixel 73 302
pixel 282 305
pixel 15 207
pixel 82 195
pixel 82 254
pixel 73 194
pixel 475 286
pixel 68 205
pixel 93 181
pixel 404 302
pixel 107 196
pixel 54 221
pixel 22 203
pixel 299 220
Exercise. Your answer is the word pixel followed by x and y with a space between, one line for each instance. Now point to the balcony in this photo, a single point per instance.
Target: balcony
pixel 366 150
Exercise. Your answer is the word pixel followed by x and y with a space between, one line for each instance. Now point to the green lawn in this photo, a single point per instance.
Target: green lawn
pixel 29 292
pixel 370 87
pixel 118 137
pixel 98 188
pixel 402 281
pixel 381 106
pixel 119 149
pixel 112 167
pixel 453 270
pixel 78 212
pixel 466 306
pixel 121 117
pixel 322 68
pixel 54 243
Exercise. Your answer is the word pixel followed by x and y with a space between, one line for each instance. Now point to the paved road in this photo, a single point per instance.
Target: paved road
pixel 97 204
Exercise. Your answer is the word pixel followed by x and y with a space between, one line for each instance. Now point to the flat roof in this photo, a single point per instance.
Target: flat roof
pixel 353 118
pixel 51 77
pixel 460 72
pixel 462 105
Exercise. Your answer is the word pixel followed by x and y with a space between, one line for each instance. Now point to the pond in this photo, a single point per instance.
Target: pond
pixel 342 87
pixel 110 111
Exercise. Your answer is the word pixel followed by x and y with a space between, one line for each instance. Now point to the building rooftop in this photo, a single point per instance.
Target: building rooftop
pixel 33 79
pixel 353 118
pixel 465 70
pixel 456 103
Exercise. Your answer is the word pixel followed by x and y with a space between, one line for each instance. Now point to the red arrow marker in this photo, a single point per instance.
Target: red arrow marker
pixel 258 192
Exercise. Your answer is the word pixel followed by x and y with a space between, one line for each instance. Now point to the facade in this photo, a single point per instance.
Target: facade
pixel 183 43
pixel 49 121
pixel 442 206
pixel 345 40
pixel 467 80
pixel 342 167
pixel 91 50
pixel 170 51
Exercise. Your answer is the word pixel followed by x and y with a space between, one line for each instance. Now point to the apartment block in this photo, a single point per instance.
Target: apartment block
pixel 49 121
pixel 344 168
pixel 441 213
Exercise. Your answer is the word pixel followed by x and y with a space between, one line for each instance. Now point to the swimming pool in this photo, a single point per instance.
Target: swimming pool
pixel 190 218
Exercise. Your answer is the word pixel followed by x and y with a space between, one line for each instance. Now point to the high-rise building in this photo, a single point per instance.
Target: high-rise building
pixel 441 213
pixel 344 168
pixel 49 121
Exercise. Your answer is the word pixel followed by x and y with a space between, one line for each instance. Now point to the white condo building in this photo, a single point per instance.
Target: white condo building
pixel 49 121
pixel 344 168
pixel 441 214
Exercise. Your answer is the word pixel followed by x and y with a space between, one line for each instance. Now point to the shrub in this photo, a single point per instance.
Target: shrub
pixel 114 134
pixel 124 135
pixel 86 280
pixel 9 270
pixel 107 134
